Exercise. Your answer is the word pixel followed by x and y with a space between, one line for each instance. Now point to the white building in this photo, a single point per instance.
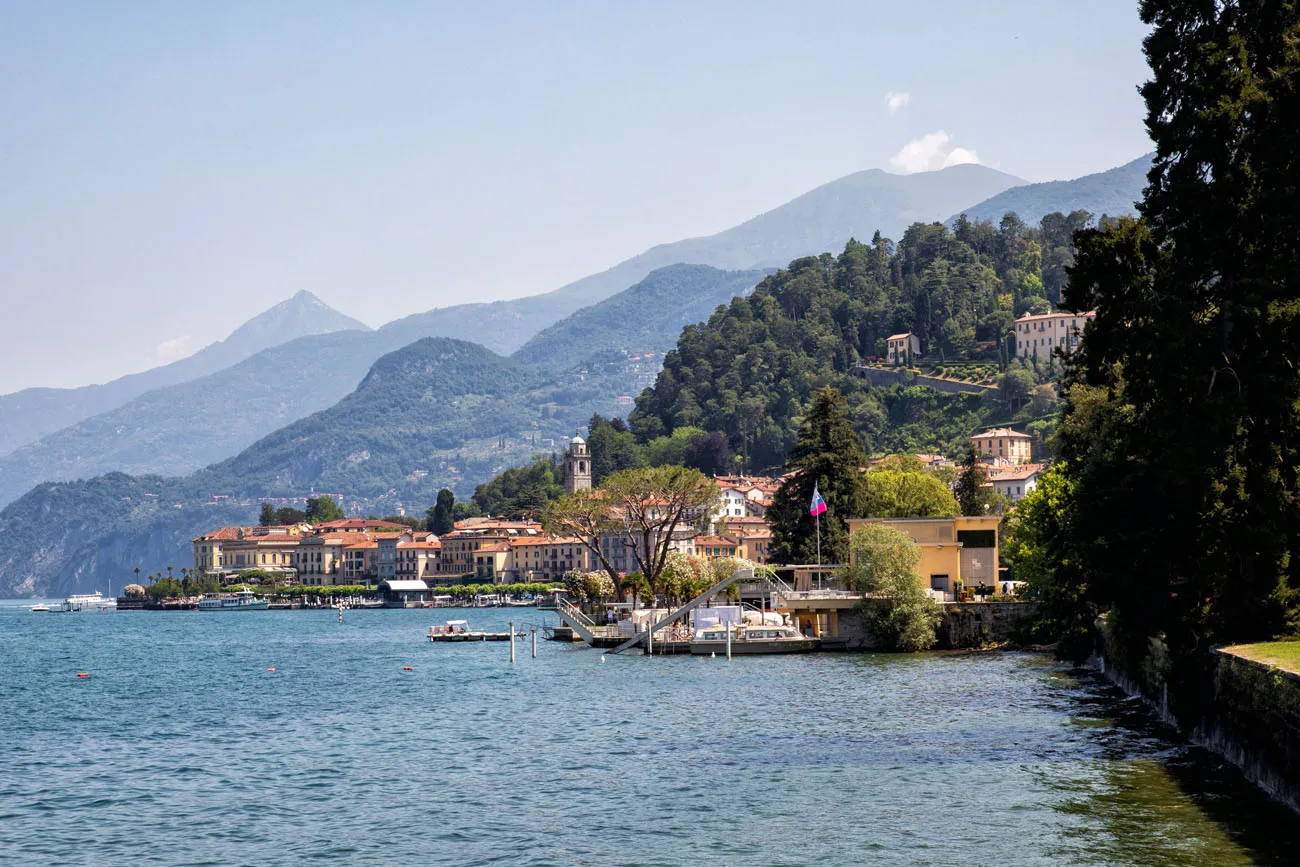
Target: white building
pixel 1040 335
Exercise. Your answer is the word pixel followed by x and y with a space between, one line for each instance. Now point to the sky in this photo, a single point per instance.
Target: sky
pixel 169 170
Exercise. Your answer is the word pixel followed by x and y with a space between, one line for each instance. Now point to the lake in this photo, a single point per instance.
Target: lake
pixel 183 748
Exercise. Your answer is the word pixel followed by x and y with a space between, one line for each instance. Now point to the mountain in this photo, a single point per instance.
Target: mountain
pixel 27 415
pixel 1111 192
pixel 644 318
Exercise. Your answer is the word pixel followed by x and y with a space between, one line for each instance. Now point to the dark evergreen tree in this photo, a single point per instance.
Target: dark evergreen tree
pixel 969 489
pixel 267 516
pixel 828 456
pixel 438 518
pixel 322 509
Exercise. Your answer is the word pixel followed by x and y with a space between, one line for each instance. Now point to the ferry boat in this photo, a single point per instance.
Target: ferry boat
pixel 87 602
pixel 752 639
pixel 244 600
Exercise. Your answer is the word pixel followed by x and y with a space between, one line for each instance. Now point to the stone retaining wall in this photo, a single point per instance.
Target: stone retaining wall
pixel 891 376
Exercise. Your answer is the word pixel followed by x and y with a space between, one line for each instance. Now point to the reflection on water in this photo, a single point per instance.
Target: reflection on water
pixel 183 748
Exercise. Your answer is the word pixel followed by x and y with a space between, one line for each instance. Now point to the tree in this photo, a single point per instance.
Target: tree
pixel 971 498
pixel 643 508
pixel 709 453
pixel 439 516
pixel 286 515
pixel 322 509
pixel 898 611
pixel 895 493
pixel 828 457
pixel 1181 449
pixel 267 516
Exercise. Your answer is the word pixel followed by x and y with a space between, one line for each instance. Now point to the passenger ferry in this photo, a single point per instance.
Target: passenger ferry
pixel 87 602
pixel 244 600
pixel 752 639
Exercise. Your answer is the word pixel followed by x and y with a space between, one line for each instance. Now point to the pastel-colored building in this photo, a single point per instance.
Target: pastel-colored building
pixel 1002 445
pixel 1041 334
pixel 898 347
pixel 1014 482
pixel 953 550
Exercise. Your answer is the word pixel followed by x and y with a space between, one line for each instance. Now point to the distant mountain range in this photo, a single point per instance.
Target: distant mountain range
pixel 1109 193
pixel 27 415
pixel 428 413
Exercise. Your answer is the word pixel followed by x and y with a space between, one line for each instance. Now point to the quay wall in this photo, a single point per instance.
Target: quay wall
pixel 964 625
pixel 1249 712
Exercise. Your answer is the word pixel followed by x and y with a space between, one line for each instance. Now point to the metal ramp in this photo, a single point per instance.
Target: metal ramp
pixel 738 575
pixel 572 617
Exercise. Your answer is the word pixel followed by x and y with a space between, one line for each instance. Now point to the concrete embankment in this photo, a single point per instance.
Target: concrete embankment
pixel 1248 713
pixel 964 625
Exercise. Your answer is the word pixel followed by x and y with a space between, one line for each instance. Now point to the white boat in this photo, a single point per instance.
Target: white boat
pixel 87 602
pixel 752 639
pixel 244 600
pixel 39 608
pixel 458 630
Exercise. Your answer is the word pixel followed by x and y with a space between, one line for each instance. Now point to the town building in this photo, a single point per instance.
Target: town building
pixel 1014 482
pixel 546 558
pixel 959 552
pixel 231 550
pixel 716 547
pixel 899 348
pixel 462 544
pixel 1037 336
pixel 1003 445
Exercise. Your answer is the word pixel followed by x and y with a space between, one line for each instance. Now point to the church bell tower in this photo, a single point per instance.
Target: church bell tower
pixel 577 466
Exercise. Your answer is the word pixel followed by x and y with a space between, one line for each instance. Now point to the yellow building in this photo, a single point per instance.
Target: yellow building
pixel 1004 445
pixel 961 549
pixel 1038 336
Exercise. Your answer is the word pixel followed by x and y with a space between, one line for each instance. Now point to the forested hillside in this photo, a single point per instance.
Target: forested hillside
pixel 645 318
pixel 750 371
pixel 1112 193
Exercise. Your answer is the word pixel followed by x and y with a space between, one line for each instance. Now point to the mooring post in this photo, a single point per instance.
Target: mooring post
pixel 650 637
pixel 534 642
pixel 728 642
pixel 512 642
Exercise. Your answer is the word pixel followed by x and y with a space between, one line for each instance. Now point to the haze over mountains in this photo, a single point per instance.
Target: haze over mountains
pixel 27 415
pixel 1109 193
pixel 407 429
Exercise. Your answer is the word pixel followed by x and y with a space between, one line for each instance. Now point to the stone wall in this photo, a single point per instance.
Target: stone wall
pixel 964 625
pixel 1250 712
pixel 899 376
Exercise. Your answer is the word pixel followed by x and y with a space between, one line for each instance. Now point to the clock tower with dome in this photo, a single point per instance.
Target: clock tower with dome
pixel 577 466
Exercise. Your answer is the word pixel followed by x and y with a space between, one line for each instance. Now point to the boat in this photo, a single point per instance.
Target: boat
pixel 458 630
pixel 87 602
pixel 752 639
pixel 244 600
pixel 39 608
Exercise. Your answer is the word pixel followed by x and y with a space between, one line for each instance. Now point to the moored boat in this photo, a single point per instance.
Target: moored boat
pixel 752 639
pixel 78 602
pixel 458 630
pixel 244 600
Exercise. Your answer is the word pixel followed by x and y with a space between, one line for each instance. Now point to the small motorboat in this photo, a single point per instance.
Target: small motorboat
pixel 40 608
pixel 458 630
pixel 752 639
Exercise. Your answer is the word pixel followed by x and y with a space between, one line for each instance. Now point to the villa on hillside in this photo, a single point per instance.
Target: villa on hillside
pixel 1037 336
pixel 1002 445
pixel 898 347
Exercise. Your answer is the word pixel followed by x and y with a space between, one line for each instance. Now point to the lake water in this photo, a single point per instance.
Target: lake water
pixel 182 748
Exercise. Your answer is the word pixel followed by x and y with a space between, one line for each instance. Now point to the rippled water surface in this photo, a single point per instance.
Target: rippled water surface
pixel 182 748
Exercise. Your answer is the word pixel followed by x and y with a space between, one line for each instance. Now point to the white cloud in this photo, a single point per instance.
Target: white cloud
pixel 930 152
pixel 896 99
pixel 174 349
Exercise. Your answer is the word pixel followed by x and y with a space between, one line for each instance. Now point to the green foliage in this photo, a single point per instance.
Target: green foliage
pixel 322 509
pixel 751 370
pixel 289 515
pixel 970 489
pixel 588 586
pixel 893 493
pixel 405 520
pixel 521 492
pixel 1180 447
pixel 266 516
pixel 439 516
pixel 899 612
pixel 828 457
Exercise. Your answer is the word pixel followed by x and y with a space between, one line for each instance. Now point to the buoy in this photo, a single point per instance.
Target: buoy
pixel 713 656
pixel 407 668
pixel 602 659
pixel 83 674
pixel 272 670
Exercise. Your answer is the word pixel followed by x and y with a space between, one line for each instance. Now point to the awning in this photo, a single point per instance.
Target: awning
pixel 405 585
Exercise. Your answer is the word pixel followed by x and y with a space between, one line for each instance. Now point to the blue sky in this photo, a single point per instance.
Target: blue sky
pixel 170 169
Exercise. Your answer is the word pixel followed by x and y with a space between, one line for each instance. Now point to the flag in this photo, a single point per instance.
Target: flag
pixel 818 506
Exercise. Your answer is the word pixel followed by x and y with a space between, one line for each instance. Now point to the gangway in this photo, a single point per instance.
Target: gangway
pixel 743 574
pixel 572 617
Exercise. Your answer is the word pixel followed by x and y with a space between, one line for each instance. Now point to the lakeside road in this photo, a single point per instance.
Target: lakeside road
pixel 369 745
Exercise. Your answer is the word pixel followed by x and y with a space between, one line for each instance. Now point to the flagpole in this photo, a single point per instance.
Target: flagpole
pixel 818 519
